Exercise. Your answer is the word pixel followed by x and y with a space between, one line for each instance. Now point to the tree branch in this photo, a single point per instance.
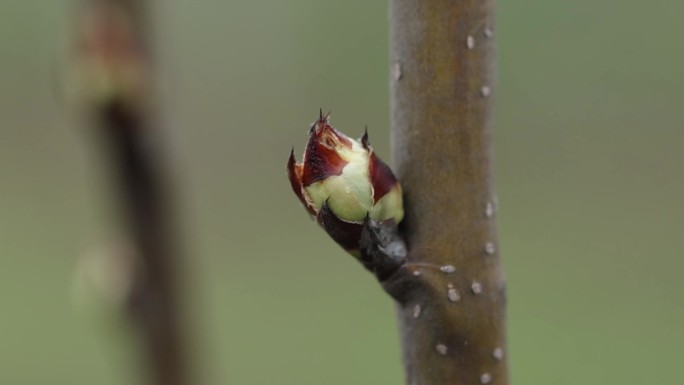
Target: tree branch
pixel 451 291
pixel 112 76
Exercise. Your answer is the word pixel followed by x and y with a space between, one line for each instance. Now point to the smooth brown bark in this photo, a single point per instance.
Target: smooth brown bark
pixel 451 292
pixel 113 49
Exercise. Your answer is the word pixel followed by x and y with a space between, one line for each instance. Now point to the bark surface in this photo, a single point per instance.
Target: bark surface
pixel 451 292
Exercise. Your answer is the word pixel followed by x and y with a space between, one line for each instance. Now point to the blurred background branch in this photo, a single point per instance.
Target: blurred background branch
pixel 112 80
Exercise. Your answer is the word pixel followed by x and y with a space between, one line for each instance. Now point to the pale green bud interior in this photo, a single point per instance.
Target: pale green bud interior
pixel 390 206
pixel 350 193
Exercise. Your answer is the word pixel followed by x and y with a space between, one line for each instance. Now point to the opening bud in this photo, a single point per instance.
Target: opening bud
pixel 343 184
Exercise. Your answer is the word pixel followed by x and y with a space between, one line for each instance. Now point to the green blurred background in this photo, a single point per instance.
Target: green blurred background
pixel 588 140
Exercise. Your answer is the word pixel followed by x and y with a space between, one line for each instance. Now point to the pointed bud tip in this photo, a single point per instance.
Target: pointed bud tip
pixel 294 174
pixel 323 118
pixel 322 121
pixel 364 139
